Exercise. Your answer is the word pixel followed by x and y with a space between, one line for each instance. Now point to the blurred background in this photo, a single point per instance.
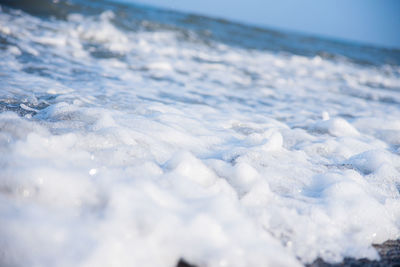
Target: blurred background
pixel 364 21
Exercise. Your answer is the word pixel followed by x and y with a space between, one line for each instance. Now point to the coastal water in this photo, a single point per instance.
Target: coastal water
pixel 134 136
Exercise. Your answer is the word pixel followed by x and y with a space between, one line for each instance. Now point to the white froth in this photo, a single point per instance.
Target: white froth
pixel 164 148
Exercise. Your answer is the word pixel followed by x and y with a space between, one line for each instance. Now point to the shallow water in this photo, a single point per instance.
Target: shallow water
pixel 132 136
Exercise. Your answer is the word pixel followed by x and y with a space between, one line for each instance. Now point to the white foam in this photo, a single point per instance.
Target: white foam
pixel 177 149
pixel 335 127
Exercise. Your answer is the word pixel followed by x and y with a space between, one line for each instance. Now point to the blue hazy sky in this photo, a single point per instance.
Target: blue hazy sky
pixel 366 21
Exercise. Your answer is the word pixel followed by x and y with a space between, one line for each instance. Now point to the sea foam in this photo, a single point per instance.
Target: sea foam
pixel 141 146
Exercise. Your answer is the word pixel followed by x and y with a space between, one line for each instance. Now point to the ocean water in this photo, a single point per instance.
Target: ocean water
pixel 133 136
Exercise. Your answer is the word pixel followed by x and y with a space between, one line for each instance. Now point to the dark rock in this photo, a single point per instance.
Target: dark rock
pixel 183 263
pixel 389 252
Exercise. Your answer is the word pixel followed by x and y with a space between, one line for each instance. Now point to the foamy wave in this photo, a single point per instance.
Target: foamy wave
pixel 143 147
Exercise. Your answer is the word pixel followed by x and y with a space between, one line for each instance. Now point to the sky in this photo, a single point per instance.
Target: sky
pixel 374 22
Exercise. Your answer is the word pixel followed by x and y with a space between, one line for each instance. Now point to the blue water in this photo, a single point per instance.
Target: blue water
pixel 130 17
